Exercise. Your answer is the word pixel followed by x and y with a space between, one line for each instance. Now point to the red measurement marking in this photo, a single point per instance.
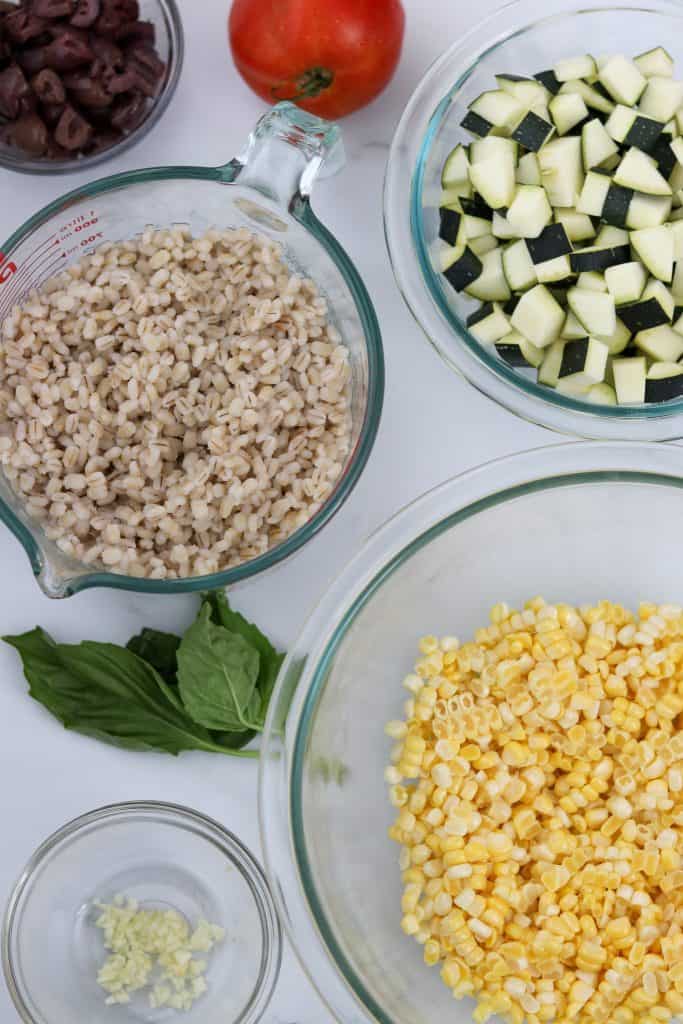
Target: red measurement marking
pixel 93 238
pixel 6 269
pixel 86 224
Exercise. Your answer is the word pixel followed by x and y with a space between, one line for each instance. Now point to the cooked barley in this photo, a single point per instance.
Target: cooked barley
pixel 173 406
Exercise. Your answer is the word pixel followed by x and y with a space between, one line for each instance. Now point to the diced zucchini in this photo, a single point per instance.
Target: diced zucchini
pixel 601 394
pixel 518 267
pixel 579 226
pixel 617 205
pixel 593 99
pixel 475 124
pixel 529 211
pixel 498 108
pixel 567 110
pixel 584 360
pixel 532 131
pixel 572 328
pixel 661 343
pixel 483 244
pixel 655 247
pixel 526 91
pixel 562 170
pixel 656 290
pixel 528 171
pixel 647 211
pixel 574 67
pixel 638 171
pixel 676 230
pixel 495 181
pixel 618 340
pixel 538 316
pixel 549 370
pixel 517 350
pixel 548 79
pixel 502 228
pixel 663 155
pixel 476 207
pixel 599 257
pixel 592 280
pixel 488 323
pixel 609 234
pixel 456 167
pixel 475 227
pixel 551 271
pixel 550 244
pixel 462 268
pixel 622 79
pixel 451 226
pixel 664 381
pixel 492 148
pixel 626 281
pixel 490 285
pixel 629 379
pixel 596 145
pixel 662 98
pixel 655 63
pixel 595 310
pixel 633 128
pixel 643 315
pixel 593 194
pixel 677 283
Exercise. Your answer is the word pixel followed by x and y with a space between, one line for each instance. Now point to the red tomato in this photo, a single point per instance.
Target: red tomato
pixel 329 56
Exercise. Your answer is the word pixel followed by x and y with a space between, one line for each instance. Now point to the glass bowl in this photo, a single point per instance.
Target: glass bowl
pixel 165 15
pixel 266 189
pixel 513 39
pixel 165 857
pixel 569 522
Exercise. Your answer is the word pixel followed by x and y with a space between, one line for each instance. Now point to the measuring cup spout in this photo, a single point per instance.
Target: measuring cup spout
pixel 286 152
pixel 58 580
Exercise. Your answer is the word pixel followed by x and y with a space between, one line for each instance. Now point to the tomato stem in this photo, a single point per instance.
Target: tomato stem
pixel 308 85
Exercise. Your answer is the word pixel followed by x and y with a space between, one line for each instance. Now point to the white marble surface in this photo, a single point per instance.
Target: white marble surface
pixel 434 426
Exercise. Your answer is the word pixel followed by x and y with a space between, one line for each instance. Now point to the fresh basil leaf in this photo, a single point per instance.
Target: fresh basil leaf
pixel 234 740
pixel 159 650
pixel 223 615
pixel 217 676
pixel 107 692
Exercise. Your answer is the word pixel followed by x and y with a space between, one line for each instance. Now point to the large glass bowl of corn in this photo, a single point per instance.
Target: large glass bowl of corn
pixel 469 790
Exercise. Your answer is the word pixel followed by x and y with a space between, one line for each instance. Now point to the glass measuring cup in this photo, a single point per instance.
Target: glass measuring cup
pixel 266 188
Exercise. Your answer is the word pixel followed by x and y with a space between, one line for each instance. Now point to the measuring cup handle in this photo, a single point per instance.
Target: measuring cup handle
pixel 286 152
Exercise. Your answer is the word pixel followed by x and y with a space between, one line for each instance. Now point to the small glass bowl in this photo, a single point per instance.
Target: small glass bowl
pixel 164 856
pixel 170 45
pixel 513 39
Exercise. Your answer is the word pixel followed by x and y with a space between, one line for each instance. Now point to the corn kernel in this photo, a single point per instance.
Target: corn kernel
pixel 524 847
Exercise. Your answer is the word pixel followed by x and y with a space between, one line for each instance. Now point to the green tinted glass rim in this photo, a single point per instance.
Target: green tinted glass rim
pixel 322 670
pixel 661 410
pixel 301 211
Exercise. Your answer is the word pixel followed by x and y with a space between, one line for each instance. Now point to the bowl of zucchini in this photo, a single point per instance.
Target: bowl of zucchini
pixel 534 214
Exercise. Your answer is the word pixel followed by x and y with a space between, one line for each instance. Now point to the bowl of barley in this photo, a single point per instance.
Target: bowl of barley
pixel 183 408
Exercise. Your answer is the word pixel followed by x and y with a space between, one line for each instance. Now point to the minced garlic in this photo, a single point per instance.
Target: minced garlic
pixel 155 948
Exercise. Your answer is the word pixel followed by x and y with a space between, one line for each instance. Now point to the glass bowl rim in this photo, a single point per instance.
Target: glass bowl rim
pixel 442 326
pixel 328 623
pixel 357 459
pixel 176 816
pixel 176 36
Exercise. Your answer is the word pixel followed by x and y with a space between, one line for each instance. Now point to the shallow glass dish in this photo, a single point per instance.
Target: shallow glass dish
pixel 165 857
pixel 170 45
pixel 573 522
pixel 513 39
pixel 266 189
